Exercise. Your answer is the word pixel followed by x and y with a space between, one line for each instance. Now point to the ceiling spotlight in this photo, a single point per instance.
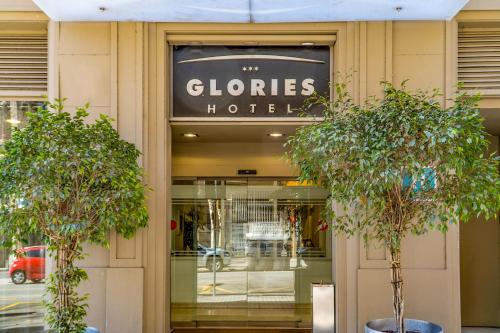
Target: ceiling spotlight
pixel 307 43
pixel 190 135
pixel 276 135
pixel 399 8
pixel 13 121
pixel 102 9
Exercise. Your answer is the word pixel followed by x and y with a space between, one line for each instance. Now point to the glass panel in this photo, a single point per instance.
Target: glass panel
pixel 22 270
pixel 256 241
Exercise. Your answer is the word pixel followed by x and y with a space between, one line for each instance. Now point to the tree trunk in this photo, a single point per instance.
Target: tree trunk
pixel 67 305
pixel 63 283
pixel 398 303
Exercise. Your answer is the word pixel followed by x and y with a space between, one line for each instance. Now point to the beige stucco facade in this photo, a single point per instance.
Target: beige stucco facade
pixel 121 70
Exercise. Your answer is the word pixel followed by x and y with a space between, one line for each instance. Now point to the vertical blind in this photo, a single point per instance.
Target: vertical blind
pixel 479 60
pixel 23 63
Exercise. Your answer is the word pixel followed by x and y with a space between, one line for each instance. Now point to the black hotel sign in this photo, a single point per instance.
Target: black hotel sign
pixel 245 82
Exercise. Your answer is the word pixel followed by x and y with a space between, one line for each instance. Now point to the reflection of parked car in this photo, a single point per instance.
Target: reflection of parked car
pixel 28 265
pixel 266 248
pixel 206 258
pixel 311 252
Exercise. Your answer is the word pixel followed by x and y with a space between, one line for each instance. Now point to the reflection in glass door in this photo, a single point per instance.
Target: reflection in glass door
pixel 246 251
pixel 22 269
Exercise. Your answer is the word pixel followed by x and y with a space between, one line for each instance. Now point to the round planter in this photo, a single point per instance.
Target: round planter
pixel 91 330
pixel 411 325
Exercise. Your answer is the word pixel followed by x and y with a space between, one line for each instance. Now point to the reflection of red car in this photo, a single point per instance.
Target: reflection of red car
pixel 28 265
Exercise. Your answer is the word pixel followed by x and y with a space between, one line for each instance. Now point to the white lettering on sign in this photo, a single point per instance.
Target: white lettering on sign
pixel 274 87
pixel 258 87
pixel 271 108
pixel 213 88
pixel 307 87
pixel 232 108
pixel 235 87
pixel 194 87
pixel 290 87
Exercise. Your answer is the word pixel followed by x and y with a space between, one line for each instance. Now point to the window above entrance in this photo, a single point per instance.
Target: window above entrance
pixel 249 11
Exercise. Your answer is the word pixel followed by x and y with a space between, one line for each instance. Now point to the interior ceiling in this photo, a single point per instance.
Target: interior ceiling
pixel 249 11
pixel 252 132
pixel 232 133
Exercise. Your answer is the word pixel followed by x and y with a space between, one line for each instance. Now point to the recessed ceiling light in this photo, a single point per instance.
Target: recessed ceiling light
pixel 190 135
pixel 276 135
pixel 13 121
pixel 307 44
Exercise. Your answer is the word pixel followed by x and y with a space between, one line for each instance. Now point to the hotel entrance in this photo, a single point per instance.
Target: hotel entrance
pixel 244 248
pixel 247 239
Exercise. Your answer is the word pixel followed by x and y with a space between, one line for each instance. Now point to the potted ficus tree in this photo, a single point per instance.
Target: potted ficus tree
pixel 395 166
pixel 70 182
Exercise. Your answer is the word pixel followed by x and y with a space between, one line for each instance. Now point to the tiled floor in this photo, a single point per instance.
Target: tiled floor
pixel 464 330
pixel 480 330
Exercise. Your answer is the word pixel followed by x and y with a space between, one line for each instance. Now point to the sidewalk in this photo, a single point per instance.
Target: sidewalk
pixel 4 277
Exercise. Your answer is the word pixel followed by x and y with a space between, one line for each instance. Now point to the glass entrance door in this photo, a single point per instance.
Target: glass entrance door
pixel 245 251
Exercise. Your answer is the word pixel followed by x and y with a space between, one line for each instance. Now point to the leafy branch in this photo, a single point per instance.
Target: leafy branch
pixel 72 181
pixel 402 164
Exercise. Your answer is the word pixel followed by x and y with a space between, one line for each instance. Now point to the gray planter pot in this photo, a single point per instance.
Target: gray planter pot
pixel 91 330
pixel 420 326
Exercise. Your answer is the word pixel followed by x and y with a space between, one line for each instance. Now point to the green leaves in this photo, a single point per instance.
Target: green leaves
pixel 399 165
pixel 365 151
pixel 71 181
pixel 75 178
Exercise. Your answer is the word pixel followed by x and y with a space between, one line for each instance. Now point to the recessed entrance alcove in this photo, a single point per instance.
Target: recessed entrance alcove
pixel 245 247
